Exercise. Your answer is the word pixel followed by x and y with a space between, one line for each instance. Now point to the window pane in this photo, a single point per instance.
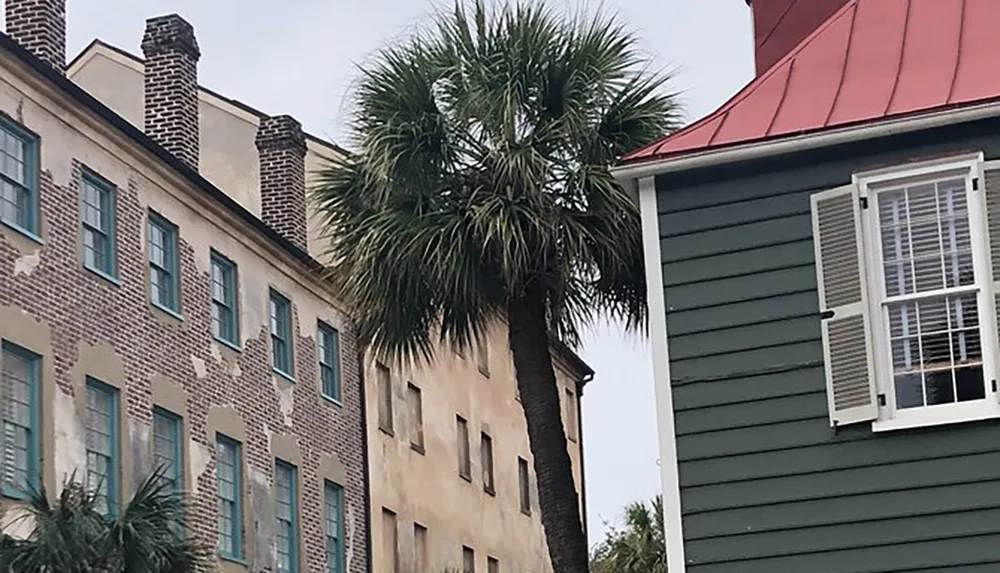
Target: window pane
pixel 332 520
pixel 167 448
pixel 16 389
pixel 284 511
pixel 936 351
pixel 100 441
pixel 227 461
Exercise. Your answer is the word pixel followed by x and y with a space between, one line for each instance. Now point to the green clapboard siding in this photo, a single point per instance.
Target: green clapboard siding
pixel 767 485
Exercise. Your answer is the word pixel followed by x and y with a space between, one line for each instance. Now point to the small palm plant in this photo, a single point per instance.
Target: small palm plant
pixel 71 535
pixel 637 547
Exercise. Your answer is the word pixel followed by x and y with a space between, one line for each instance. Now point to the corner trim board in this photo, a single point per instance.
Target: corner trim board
pixel 669 474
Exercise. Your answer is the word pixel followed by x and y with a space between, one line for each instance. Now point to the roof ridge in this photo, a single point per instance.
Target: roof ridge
pixel 756 82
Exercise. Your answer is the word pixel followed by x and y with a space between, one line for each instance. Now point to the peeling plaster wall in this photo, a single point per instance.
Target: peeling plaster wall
pixel 82 324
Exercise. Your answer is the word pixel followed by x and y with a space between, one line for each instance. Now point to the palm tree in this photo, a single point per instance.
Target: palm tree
pixel 639 547
pixel 480 195
pixel 74 536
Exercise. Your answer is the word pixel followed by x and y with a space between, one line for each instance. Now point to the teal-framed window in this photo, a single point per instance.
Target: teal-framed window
pixel 19 402
pixel 164 278
pixel 281 335
pixel 225 311
pixel 329 360
pixel 103 461
pixel 230 487
pixel 168 448
pixel 97 197
pixel 333 526
pixel 18 177
pixel 286 515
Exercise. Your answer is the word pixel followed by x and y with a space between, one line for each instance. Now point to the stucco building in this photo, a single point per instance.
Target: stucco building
pixel 433 435
pixel 149 319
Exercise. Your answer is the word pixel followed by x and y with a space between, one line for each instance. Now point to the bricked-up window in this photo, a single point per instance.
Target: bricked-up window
pixel 468 560
pixel 384 398
pixel 329 360
pixel 281 335
pixel 492 565
pixel 464 458
pixel 167 448
pixel 524 485
pixel 19 372
pixel 225 311
pixel 102 445
pixel 414 401
pixel 390 541
pixel 486 451
pixel 333 526
pixel 18 178
pixel 571 423
pixel 98 213
pixel 164 280
pixel 420 547
pixel 286 516
pixel 230 492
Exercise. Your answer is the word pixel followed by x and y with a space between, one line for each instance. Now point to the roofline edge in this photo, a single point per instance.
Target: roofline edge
pixel 825 138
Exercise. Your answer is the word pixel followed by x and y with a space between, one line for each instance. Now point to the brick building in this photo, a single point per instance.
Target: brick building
pixel 147 318
pixel 452 483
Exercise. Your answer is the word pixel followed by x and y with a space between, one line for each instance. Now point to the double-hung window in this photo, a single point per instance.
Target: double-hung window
pixel 333 526
pixel 18 178
pixel 167 448
pixel 329 360
pixel 19 385
pixel 286 516
pixel 164 278
pixel 98 218
pixel 229 482
pixel 281 335
pixel 903 265
pixel 102 445
pixel 225 315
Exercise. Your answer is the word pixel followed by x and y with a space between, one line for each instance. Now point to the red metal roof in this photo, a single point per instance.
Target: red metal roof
pixel 871 60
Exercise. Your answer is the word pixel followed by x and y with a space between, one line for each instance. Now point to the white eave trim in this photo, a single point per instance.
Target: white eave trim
pixel 663 391
pixel 824 138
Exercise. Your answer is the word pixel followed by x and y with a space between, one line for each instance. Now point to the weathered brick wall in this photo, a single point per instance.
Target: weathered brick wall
pixel 40 26
pixel 171 86
pixel 49 283
pixel 282 147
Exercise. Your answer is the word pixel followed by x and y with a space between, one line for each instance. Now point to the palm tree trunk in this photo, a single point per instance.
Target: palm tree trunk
pixel 536 381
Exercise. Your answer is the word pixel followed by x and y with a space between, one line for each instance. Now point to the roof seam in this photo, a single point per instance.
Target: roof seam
pixel 843 69
pixel 958 51
pixel 781 102
pixel 777 23
pixel 902 54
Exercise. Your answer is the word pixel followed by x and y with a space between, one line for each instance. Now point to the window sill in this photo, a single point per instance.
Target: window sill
pixel 331 400
pixel 170 313
pixel 526 512
pixel 932 419
pixel 418 448
pixel 465 477
pixel 491 491
pixel 284 375
pixel 387 432
pixel 230 345
pixel 24 232
pixel 232 559
pixel 111 279
pixel 485 372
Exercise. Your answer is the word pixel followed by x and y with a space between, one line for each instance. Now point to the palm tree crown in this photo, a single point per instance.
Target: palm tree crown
pixel 480 195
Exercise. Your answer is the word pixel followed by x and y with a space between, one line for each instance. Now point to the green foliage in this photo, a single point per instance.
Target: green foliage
pixel 484 143
pixel 72 536
pixel 639 546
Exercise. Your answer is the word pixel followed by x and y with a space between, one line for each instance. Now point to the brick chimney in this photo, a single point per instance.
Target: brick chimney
pixel 40 27
pixel 282 148
pixel 780 25
pixel 171 86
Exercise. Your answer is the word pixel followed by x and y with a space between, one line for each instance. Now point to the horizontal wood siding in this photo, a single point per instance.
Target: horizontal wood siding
pixel 766 485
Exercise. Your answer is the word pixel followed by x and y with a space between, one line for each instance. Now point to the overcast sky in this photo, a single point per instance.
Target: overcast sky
pixel 299 57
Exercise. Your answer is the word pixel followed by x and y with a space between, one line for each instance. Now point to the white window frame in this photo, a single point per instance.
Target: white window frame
pixel 889 418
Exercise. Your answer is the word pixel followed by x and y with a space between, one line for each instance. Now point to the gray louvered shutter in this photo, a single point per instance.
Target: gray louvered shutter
pixel 843 300
pixel 991 185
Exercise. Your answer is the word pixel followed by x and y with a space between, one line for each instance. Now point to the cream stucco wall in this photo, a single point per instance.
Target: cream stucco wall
pixel 418 488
